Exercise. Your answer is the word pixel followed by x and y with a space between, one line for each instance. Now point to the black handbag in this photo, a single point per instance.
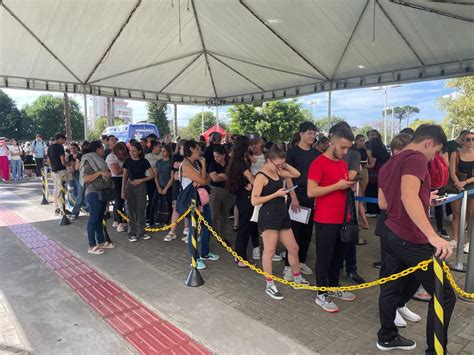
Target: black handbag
pixel 350 230
pixel 106 195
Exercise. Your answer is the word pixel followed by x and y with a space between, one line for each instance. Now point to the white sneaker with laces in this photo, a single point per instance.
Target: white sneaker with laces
pixel 170 236
pixel 186 231
pixel 325 302
pixel 120 228
pixel 287 274
pixel 115 224
pixel 273 292
pixel 256 253
pixel 277 258
pixel 302 282
pixel 342 295
pixel 185 239
pixel 399 321
pixel 408 315
pixel 305 269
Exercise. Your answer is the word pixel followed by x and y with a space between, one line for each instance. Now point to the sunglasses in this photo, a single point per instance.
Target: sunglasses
pixel 469 140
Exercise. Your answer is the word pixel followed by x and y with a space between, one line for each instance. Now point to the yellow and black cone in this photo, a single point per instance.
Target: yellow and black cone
pixel 438 299
pixel 106 233
pixel 194 278
pixel 44 182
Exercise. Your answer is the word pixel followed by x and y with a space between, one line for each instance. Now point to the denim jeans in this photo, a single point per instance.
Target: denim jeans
pixel 16 169
pixel 80 199
pixel 94 223
pixel 206 212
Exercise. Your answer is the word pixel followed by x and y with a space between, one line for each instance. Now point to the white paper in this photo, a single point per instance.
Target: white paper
pixel 302 216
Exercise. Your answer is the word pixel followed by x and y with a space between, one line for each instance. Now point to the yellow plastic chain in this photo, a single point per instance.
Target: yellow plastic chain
pixel 456 288
pixel 161 229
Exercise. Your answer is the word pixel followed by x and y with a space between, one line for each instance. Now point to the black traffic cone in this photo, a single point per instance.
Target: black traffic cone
pixel 64 221
pixel 194 278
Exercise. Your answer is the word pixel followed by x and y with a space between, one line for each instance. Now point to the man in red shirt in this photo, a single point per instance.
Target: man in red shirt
pixel 328 181
pixel 404 188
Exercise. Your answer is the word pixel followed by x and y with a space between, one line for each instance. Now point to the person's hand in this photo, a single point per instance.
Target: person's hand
pixel 295 204
pixel 160 190
pixel 176 165
pixel 281 193
pixel 164 191
pixel 123 195
pixel 460 185
pixel 136 182
pixel 344 184
pixel 105 173
pixel 202 160
pixel 248 187
pixel 443 247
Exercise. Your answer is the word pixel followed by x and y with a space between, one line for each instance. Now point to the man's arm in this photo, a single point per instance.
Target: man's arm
pixel 410 188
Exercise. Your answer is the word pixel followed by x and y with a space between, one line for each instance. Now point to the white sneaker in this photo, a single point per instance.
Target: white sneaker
pixel 186 231
pixel 256 253
pixel 277 258
pixel 273 292
pixel 370 215
pixel 466 248
pixel 408 315
pixel 303 282
pixel 120 228
pixel 185 239
pixel 287 274
pixel 170 236
pixel 399 321
pixel 325 302
pixel 115 224
pixel 343 295
pixel 305 269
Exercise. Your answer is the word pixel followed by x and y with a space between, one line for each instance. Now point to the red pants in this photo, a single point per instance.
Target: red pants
pixel 4 167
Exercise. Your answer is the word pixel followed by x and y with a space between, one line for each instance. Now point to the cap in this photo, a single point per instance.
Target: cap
pixel 254 137
pixel 307 126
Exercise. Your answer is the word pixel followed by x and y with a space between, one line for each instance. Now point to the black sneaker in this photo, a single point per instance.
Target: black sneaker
pixel 377 265
pixel 355 278
pixel 399 343
pixel 443 234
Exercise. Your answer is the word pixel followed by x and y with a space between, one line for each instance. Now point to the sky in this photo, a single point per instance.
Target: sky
pixel 359 107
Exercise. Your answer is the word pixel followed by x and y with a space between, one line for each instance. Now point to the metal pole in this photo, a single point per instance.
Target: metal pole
pixel 330 101
pixel 470 264
pixel 385 118
pixel 202 120
pixel 175 121
pixel 217 117
pixel 393 125
pixel 459 265
pixel 85 114
pixel 438 296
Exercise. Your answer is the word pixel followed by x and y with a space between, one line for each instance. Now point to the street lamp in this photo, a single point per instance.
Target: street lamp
pixel 385 88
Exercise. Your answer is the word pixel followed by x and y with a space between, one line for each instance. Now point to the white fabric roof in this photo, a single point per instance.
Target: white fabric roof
pixel 229 51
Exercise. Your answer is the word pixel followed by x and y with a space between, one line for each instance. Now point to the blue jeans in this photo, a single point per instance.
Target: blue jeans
pixel 80 199
pixel 16 169
pixel 94 223
pixel 206 212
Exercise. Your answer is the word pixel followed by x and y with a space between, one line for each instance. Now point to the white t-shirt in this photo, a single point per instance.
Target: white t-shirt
pixel 4 151
pixel 257 166
pixel 14 150
pixel 111 159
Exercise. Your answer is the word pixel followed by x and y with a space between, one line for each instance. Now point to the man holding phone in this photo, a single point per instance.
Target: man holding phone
pixel 328 181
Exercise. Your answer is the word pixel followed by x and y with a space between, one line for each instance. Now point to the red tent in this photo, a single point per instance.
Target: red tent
pixel 212 130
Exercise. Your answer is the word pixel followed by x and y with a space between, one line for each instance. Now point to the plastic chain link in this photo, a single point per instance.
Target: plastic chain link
pixel 456 288
pixel 423 265
pixel 161 229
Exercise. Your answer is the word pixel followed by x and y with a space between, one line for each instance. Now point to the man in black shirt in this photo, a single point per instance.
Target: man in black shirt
pixel 57 161
pixel 214 140
pixel 300 157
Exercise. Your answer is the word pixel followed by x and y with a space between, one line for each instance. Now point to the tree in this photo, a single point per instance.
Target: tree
pixel 325 123
pixel 193 130
pixel 418 122
pixel 459 106
pixel 99 125
pixel 400 113
pixel 157 114
pixel 46 114
pixel 276 120
pixel 13 123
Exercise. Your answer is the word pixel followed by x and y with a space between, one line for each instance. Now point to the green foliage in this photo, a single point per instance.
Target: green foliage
pixel 99 126
pixel 276 120
pixel 13 123
pixel 363 130
pixel 324 123
pixel 193 129
pixel 157 115
pixel 459 108
pixel 402 112
pixel 418 122
pixel 46 115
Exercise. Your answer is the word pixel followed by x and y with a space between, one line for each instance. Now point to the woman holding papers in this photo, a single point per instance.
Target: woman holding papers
pixel 273 217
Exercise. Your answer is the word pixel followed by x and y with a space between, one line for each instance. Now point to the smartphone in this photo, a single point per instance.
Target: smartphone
pixel 289 190
pixel 358 178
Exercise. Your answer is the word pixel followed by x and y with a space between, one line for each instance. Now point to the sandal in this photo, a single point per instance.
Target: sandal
pixel 96 250
pixel 107 245
pixel 170 236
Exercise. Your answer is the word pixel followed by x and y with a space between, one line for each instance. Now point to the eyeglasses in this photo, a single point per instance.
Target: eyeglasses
pixel 469 140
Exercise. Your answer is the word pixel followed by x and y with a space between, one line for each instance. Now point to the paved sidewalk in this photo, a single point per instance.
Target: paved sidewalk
pixel 12 337
pixel 352 331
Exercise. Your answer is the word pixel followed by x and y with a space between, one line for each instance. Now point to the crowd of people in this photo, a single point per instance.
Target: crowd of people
pixel 281 192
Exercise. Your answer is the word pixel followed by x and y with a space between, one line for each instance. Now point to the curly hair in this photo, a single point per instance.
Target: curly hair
pixel 238 164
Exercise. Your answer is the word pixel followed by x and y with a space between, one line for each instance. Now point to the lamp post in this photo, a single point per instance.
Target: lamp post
pixel 385 89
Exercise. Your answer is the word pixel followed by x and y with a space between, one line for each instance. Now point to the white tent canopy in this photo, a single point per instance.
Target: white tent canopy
pixel 227 51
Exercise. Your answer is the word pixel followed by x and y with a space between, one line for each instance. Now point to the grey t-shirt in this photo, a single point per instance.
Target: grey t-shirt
pixel 352 159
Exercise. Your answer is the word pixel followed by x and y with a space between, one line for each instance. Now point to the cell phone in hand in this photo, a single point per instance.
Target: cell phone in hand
pixel 291 189
pixel 358 178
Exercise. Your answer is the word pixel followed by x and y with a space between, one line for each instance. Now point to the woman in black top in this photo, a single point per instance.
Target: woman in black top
pixel 273 217
pixel 134 191
pixel 221 200
pixel 378 155
pixel 239 182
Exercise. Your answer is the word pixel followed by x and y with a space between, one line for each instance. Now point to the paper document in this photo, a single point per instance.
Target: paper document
pixel 302 216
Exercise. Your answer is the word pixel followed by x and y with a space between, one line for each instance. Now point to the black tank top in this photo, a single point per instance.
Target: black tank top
pixel 466 167
pixel 272 187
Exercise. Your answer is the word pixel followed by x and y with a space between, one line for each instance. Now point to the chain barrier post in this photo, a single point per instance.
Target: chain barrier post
pixel 194 278
pixel 469 287
pixel 104 227
pixel 458 265
pixel 438 298
pixel 64 220
pixel 44 180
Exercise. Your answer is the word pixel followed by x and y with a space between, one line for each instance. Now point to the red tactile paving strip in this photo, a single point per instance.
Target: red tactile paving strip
pixel 147 332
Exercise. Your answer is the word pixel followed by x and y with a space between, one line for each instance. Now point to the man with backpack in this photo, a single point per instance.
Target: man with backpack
pixel 38 149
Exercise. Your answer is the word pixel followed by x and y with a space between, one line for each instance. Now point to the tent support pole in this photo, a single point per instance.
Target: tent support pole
pixel 329 101
pixel 175 121
pixel 217 117
pixel 85 114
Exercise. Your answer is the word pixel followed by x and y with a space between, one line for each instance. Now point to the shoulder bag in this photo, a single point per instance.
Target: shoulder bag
pixel 349 231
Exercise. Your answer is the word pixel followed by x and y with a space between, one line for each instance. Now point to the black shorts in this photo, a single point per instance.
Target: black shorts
pixel 274 216
pixel 175 190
